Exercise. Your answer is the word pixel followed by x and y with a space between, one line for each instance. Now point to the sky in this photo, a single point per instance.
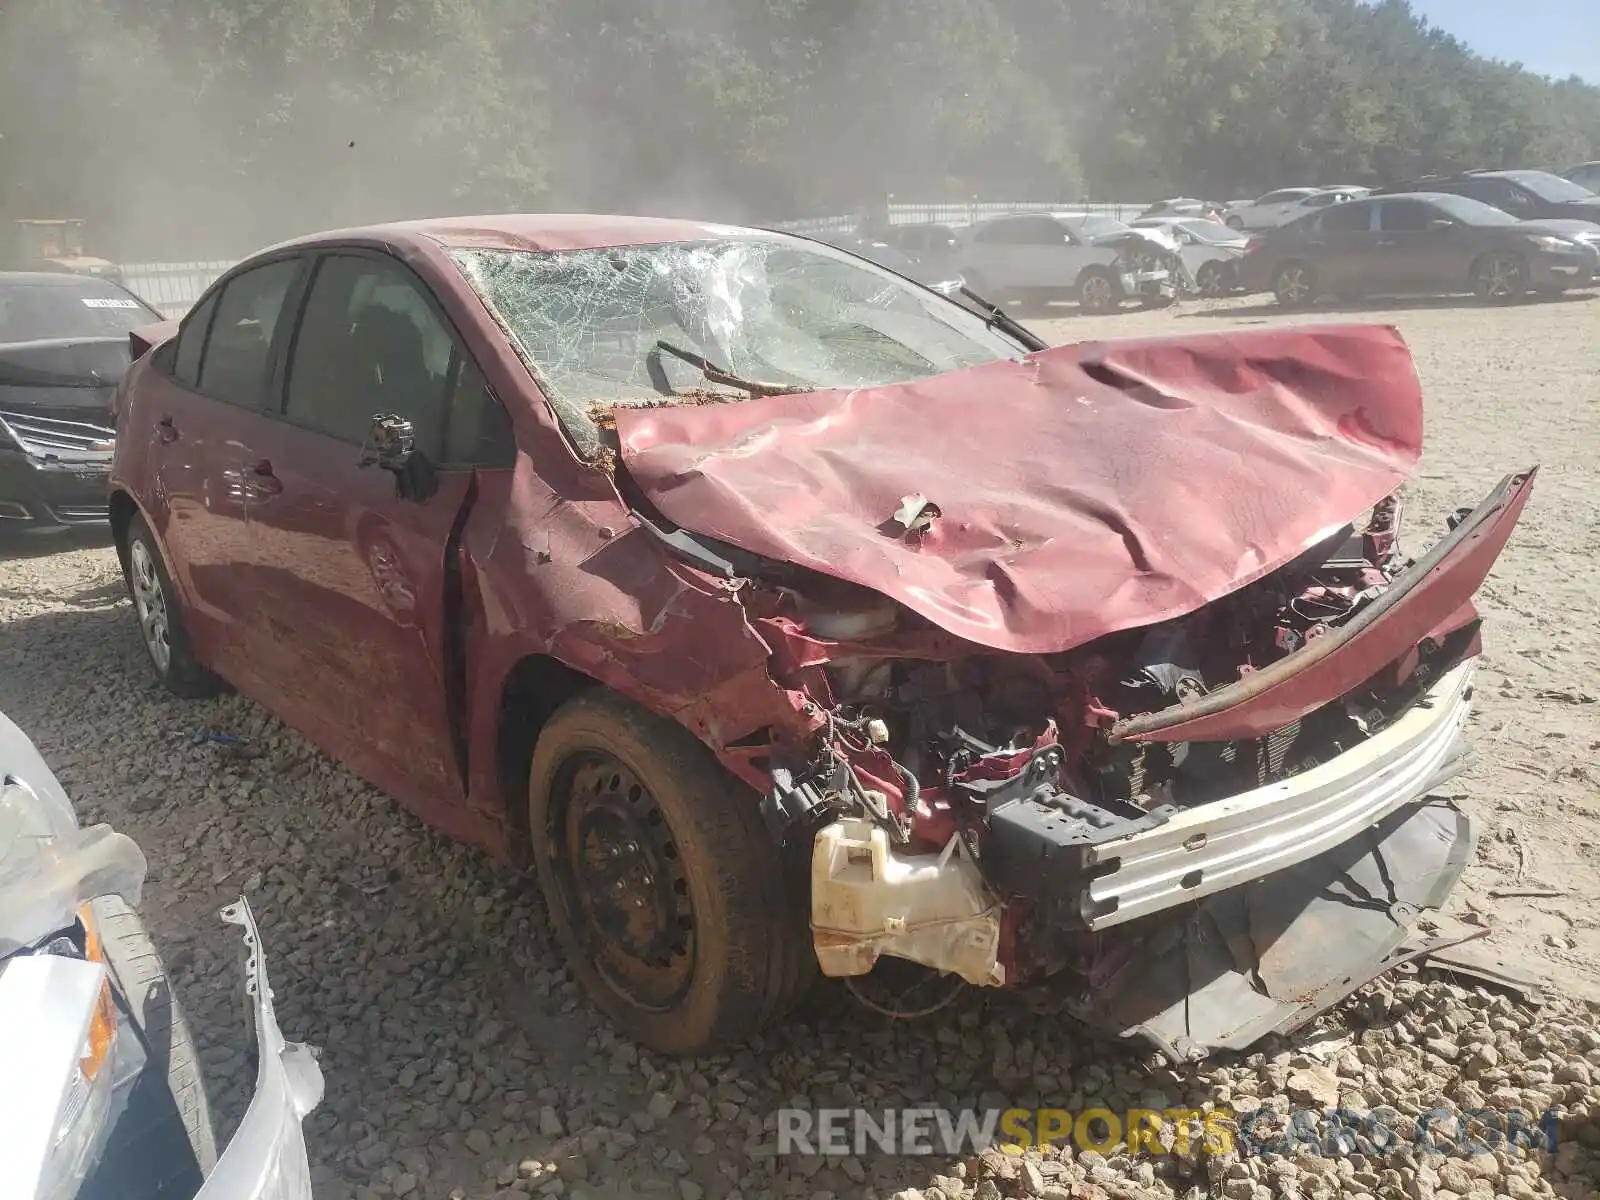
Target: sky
pixel 1552 37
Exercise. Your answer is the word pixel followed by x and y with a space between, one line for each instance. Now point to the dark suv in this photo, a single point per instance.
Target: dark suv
pixel 1526 195
pixel 1424 243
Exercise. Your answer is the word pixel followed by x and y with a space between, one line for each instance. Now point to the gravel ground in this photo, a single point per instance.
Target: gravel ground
pixel 462 1061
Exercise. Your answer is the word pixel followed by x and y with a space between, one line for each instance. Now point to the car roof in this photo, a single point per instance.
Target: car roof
pixel 532 231
pixel 53 279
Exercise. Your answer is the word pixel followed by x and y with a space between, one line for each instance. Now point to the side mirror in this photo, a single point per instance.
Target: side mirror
pixel 1441 225
pixel 392 445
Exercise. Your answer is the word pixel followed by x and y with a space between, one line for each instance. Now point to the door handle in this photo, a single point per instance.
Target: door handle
pixel 166 430
pixel 263 480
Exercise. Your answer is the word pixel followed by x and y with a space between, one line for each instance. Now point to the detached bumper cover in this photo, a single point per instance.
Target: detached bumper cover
pixel 1269 957
pixel 266 1160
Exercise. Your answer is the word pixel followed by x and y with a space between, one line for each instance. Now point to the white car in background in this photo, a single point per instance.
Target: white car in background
pixel 1094 259
pixel 1288 204
pixel 1210 251
pixel 101 1096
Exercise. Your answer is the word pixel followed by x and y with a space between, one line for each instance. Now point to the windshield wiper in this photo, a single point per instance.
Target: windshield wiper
pixel 996 317
pixel 716 374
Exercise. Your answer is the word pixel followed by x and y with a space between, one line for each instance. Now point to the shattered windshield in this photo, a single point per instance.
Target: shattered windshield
pixel 592 323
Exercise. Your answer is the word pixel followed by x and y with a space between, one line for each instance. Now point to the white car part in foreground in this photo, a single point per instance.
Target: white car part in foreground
pixel 266 1160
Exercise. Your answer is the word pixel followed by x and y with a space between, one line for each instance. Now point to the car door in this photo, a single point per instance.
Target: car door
pixel 205 403
pixel 351 576
pixel 1414 254
pixel 1344 250
pixel 999 253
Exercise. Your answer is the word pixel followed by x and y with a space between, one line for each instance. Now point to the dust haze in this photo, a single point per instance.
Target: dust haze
pixel 204 134
pixel 210 128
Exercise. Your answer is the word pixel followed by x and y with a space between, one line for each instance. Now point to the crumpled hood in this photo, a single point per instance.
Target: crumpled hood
pixel 1082 490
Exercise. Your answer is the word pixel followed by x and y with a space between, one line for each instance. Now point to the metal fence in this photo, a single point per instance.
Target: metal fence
pixel 965 212
pixel 172 287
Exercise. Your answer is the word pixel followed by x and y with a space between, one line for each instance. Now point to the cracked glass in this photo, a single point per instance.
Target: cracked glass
pixel 609 327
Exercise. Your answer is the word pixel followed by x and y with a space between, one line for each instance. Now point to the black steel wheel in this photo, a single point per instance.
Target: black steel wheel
pixel 676 910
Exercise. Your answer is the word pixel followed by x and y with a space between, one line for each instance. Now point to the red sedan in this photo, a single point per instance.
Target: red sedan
pixel 787 614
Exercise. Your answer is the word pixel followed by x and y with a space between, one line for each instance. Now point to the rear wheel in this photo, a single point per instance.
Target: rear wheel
pixel 670 899
pixel 161 625
pixel 1211 280
pixel 1234 222
pixel 1097 290
pixel 1500 278
pixel 1295 285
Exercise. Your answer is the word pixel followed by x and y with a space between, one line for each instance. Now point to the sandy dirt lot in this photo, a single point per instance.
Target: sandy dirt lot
pixel 461 1059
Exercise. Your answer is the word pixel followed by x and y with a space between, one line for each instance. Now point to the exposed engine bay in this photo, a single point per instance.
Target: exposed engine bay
pixel 966 812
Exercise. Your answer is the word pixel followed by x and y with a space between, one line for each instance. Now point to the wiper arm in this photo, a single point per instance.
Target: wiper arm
pixel 716 374
pixel 997 318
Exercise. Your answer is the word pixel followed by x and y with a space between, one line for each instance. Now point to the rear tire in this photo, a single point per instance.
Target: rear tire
pixel 165 1136
pixel 1294 284
pixel 675 909
pixel 1211 280
pixel 1097 290
pixel 160 616
pixel 1234 223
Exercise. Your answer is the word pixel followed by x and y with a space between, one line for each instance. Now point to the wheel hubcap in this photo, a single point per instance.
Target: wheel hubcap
pixel 1293 286
pixel 1096 292
pixel 1501 278
pixel 151 605
pixel 620 865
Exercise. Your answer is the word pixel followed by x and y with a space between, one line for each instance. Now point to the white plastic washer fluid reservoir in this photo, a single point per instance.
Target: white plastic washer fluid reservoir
pixel 868 899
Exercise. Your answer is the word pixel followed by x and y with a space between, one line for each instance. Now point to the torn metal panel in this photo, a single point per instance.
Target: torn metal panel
pixel 1434 594
pixel 1268 957
pixel 1097 487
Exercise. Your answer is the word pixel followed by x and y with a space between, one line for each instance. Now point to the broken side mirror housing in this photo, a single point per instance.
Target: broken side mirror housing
pixel 392 445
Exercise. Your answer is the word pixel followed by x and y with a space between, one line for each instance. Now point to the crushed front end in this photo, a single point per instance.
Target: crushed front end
pixel 1141 698
pixel 1207 830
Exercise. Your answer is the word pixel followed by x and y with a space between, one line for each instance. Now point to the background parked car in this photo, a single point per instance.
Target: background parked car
pixel 941 277
pixel 63 349
pixel 931 246
pixel 1185 206
pixel 1096 260
pixel 1585 175
pixel 1268 211
pixel 1527 195
pixel 1263 215
pixel 1421 243
pixel 1210 251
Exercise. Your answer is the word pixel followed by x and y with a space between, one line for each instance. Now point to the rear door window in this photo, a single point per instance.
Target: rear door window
pixel 1405 216
pixel 237 361
pixel 192 343
pixel 1347 218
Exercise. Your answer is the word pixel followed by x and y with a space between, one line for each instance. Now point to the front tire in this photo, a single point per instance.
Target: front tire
pixel 669 897
pixel 160 614
pixel 1500 279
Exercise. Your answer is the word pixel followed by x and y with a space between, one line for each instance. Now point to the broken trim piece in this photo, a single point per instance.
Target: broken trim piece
pixel 1230 713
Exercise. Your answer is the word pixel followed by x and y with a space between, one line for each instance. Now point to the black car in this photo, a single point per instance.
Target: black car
pixel 939 276
pixel 1526 195
pixel 1423 243
pixel 931 246
pixel 63 350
